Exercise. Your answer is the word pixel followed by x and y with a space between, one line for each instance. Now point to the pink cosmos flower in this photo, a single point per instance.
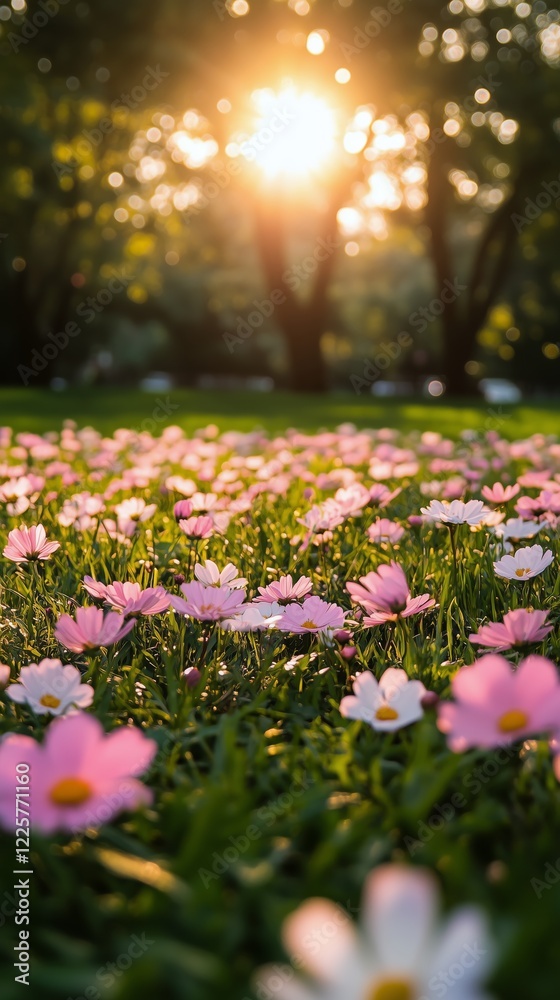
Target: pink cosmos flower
pixel 80 511
pixel 208 603
pixel 91 629
pixel 284 590
pixel 209 575
pixel 131 600
pixel 94 588
pixel 384 530
pixel 352 499
pixel 519 628
pixel 197 527
pixel 4 675
pixel 385 596
pixel 182 510
pixel 322 517
pixel 81 777
pixel 313 616
pixel 499 494
pixel 497 704
pixel 393 702
pixel 381 496
pixel 26 544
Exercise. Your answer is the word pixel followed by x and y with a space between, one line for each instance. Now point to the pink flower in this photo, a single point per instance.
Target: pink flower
pixel 4 675
pixel 313 616
pixel 322 517
pixel 182 510
pixel 497 704
pixel 385 596
pixel 80 776
pixel 384 530
pixel 94 588
pixel 547 502
pixel 381 496
pixel 91 629
pixel 208 603
pixel 498 494
pixel 209 575
pixel 197 527
pixel 518 628
pixel 25 544
pixel 131 600
pixel 284 589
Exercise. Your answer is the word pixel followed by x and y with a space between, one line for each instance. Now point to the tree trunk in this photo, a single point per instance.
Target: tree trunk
pixel 301 320
pixel 303 341
pixel 463 318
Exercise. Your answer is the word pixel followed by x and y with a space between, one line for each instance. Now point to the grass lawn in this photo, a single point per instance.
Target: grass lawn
pixel 41 410
pixel 258 793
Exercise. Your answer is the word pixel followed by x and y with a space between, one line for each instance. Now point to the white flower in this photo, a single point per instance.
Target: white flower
pixel 516 529
pixel 401 954
pixel 388 705
pixel 524 564
pixel 49 686
pixel 456 511
pixel 210 576
pixel 134 509
pixel 253 618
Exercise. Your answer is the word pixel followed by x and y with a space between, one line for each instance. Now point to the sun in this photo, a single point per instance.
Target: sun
pixel 294 134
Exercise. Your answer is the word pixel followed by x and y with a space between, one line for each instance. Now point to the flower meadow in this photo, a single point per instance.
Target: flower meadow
pixel 288 710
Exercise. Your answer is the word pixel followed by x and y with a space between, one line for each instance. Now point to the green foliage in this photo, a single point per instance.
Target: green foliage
pixel 264 795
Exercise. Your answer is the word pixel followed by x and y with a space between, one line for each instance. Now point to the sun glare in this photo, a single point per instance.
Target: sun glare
pixel 294 133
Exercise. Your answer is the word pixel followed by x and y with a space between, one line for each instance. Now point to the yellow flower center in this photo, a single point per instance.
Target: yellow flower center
pixel 386 713
pixel 308 624
pixel 49 701
pixel 522 571
pixel 391 989
pixel 512 720
pixel 70 792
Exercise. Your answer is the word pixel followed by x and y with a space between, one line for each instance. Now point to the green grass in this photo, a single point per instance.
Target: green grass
pixel 263 794
pixel 41 410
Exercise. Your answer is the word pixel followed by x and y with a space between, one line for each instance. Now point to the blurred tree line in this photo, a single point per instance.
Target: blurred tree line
pixel 133 238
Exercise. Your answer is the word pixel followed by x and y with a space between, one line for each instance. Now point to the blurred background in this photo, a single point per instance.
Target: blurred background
pixel 281 194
